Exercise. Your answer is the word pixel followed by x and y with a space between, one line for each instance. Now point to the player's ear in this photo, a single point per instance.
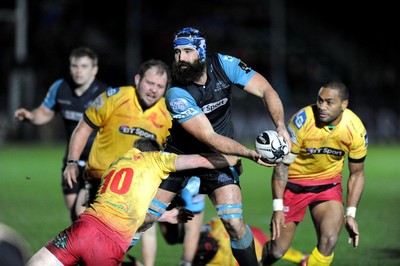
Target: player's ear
pixel 345 103
pixel 137 80
pixel 95 70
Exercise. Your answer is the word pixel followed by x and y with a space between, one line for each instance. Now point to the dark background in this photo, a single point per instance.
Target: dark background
pixel 296 45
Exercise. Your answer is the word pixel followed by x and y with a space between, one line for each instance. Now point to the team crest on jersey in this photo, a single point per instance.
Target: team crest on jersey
pixel 137 131
pixel 212 106
pixel 178 105
pixel 112 91
pixel 300 119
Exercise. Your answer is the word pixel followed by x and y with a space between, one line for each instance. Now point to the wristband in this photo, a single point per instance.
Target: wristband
pixel 277 205
pixel 72 162
pixel 351 211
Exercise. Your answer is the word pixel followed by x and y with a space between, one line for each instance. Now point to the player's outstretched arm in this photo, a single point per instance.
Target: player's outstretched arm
pixel 38 116
pixel 201 128
pixel 260 87
pixel 209 161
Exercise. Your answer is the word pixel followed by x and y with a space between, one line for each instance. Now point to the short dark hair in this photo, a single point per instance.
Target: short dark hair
pixel 84 51
pixel 340 87
pixel 146 144
pixel 161 66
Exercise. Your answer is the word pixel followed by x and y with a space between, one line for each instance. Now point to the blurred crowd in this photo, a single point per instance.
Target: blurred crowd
pixel 311 44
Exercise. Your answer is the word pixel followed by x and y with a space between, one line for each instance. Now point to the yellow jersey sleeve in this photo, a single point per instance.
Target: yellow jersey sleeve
pixel 121 120
pixel 321 151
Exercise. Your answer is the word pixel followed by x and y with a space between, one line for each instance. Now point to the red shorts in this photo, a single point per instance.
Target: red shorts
pixel 84 242
pixel 295 204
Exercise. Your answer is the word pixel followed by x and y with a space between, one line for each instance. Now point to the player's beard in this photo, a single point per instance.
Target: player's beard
pixel 186 73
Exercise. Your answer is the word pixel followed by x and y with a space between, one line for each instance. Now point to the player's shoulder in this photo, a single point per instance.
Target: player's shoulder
pixel 352 120
pixel 123 91
pixel 58 84
pixel 350 115
pixel 226 61
pixel 176 92
pixel 303 117
pixel 224 58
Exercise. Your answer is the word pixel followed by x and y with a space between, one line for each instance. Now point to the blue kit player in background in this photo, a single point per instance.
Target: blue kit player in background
pixel 200 101
pixel 70 97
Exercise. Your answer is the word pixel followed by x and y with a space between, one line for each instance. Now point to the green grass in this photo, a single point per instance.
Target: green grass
pixel 31 202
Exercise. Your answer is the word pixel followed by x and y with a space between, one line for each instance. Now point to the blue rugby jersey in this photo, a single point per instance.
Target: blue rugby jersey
pixel 214 99
pixel 62 99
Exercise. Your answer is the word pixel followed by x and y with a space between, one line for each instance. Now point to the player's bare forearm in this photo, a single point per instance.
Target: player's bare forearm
pixel 201 128
pixel 279 180
pixel 228 146
pixel 78 140
pixel 355 184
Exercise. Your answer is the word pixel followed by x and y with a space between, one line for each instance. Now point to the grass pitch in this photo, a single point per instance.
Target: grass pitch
pixel 31 202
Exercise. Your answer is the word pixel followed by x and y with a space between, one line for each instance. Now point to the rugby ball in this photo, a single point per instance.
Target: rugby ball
pixel 272 147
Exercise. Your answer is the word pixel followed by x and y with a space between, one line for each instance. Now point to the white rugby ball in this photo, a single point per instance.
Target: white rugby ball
pixel 272 147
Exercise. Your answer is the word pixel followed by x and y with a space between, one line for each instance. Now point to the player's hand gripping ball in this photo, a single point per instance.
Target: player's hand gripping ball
pixel 272 147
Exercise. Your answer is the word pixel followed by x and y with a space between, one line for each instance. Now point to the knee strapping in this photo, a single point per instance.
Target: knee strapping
pixel 157 208
pixel 230 211
pixel 244 242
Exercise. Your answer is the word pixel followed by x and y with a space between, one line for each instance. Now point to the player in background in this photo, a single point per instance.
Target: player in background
pixel 310 176
pixel 122 115
pixel 104 231
pixel 199 101
pixel 70 97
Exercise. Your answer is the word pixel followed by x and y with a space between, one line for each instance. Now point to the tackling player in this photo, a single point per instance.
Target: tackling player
pixel 104 231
